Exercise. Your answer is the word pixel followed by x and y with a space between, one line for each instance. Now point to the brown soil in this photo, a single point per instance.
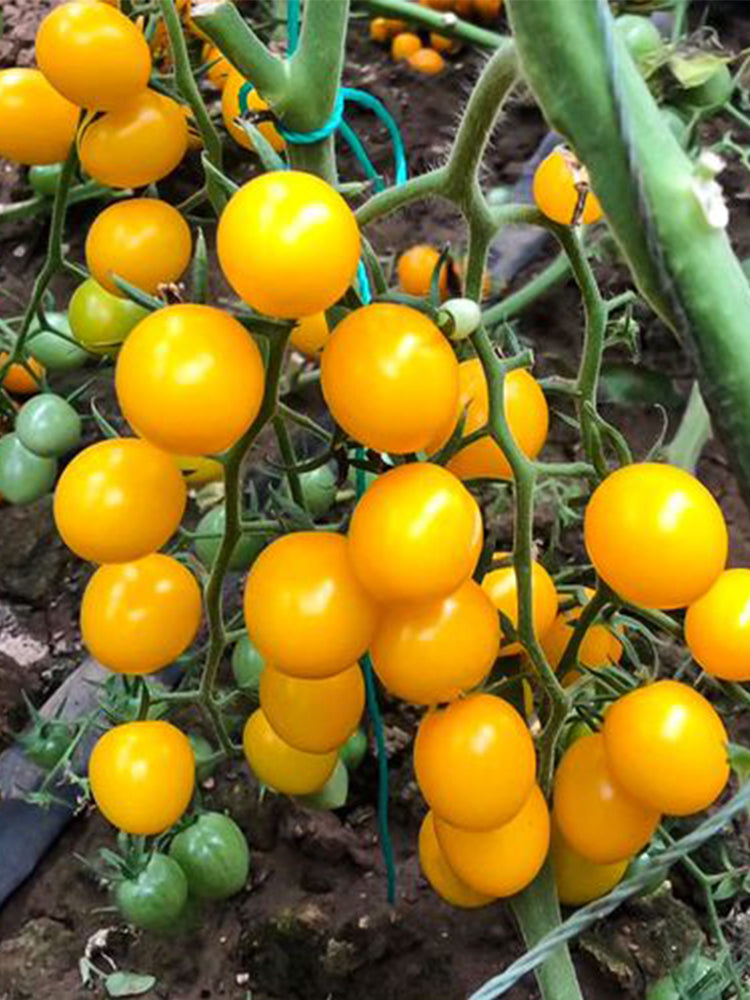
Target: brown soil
pixel 314 923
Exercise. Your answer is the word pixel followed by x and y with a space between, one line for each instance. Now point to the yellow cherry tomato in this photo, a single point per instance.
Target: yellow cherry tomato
pixel 599 648
pixel 288 244
pixel 382 29
pixel 462 757
pixel 656 535
pixel 439 873
pixel 143 240
pixel 717 627
pixel 93 55
pixel 598 819
pixel 142 776
pixel 416 534
pixel 667 747
pixel 198 470
pixel 389 377
pixel 37 125
pixel 525 410
pixel 19 379
pixel 431 652
pixel 138 617
pixel 119 500
pixel 230 110
pixel 442 43
pixel 404 44
pixel 426 61
pixel 415 269
pixel 305 609
pixel 220 68
pixel 577 879
pixel 136 144
pixel 190 379
pixel 280 766
pixel 313 715
pixel 310 335
pixel 501 588
pixel 562 191
pixel 502 861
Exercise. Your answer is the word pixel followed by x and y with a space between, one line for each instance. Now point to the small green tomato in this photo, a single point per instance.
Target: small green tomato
pixel 48 425
pixel 24 476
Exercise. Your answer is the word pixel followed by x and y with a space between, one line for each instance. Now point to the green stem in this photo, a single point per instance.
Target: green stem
pixel 33 206
pixel 537 911
pixel 444 23
pixel 552 276
pixel 286 447
pixel 188 88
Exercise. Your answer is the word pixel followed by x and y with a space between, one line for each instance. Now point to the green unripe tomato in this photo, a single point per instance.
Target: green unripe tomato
pixel 712 93
pixel 214 856
pixel 53 351
pixel 332 795
pixel 247 665
pixel 24 476
pixel 203 753
pixel 44 179
pixel 459 318
pixel 47 742
pixel 48 425
pixel 640 35
pixel 246 551
pixel 100 321
pixel 352 753
pixel 319 489
pixel 155 898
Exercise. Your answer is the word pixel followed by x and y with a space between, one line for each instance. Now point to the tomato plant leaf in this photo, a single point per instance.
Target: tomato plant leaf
pixel 128 984
pixel 622 383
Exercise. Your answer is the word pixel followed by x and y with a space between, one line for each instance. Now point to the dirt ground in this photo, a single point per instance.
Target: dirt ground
pixel 314 924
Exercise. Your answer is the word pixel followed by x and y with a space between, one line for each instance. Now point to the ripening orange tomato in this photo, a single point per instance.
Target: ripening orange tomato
pixel 577 879
pixel 280 766
pixel 288 244
pixel 501 587
pixel 220 68
pixel 316 715
pixel 230 109
pixel 119 500
pixel 37 125
pixel 562 191
pixel 198 470
pixel 439 873
pixel 142 776
pixel 502 861
pixel 143 240
pixel 190 379
pixel 310 334
pixel 135 144
pixel 431 652
pixel 656 535
pixel 598 819
pixel 462 757
pixel 305 610
pixel 415 269
pixel 382 29
pixel 667 747
pixel 525 410
pixel 404 44
pixel 18 379
pixel 416 534
pixel 426 61
pixel 93 55
pixel 442 43
pixel 599 648
pixel 389 377
pixel 488 9
pixel 717 627
pixel 138 617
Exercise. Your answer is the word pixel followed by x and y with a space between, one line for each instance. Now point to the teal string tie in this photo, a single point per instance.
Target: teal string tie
pixel 292 26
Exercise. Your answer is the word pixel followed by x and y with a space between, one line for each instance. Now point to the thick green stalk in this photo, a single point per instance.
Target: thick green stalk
pixel 652 195
pixel 552 276
pixel 537 910
pixel 444 23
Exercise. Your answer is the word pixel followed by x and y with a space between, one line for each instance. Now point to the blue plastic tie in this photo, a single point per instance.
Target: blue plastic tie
pixel 292 26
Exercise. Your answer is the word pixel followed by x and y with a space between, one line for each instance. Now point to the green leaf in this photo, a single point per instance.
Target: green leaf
pixel 128 984
pixel 695 70
pixel 726 889
pixel 622 383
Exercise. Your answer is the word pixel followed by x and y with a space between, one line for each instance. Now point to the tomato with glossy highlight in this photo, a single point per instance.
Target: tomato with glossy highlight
pixel 100 321
pixel 142 776
pixel 119 500
pixel 155 897
pixel 305 610
pixel 213 854
pixel 288 244
pixel 24 476
pixel 416 534
pixel 48 425
pixel 310 335
pixel 462 757
pixel 501 586
pixel 19 379
pixel 656 535
pixel 717 627
pixel 280 766
pixel 37 125
pixel 562 190
pixel 416 268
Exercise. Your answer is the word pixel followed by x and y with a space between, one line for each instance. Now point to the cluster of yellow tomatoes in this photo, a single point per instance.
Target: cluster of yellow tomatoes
pixel 406 44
